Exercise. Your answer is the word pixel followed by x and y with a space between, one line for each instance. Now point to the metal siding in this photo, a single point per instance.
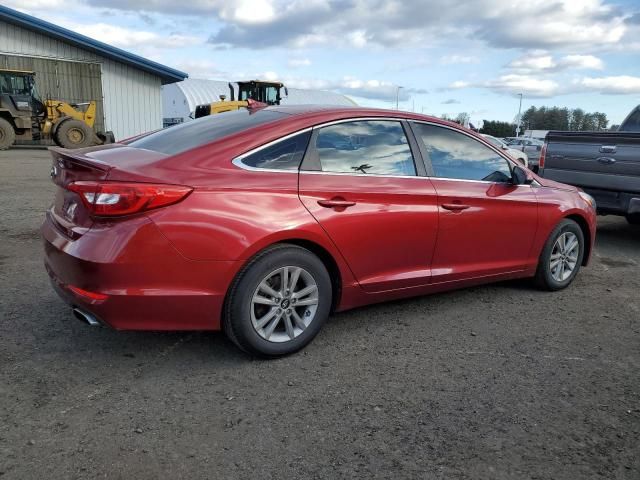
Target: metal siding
pixel 132 100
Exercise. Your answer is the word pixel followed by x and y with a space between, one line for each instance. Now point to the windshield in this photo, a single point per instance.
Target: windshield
pixel 15 84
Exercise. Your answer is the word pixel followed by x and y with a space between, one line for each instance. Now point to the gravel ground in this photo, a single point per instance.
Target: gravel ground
pixel 500 381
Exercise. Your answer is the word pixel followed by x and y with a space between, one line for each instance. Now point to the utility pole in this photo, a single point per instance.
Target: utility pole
pixel 519 117
pixel 398 97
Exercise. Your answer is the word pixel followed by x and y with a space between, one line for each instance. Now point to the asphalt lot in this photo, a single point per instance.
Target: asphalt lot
pixel 501 381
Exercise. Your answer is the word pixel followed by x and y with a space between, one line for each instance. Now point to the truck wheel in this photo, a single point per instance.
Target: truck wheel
pixel 634 218
pixel 74 134
pixel 7 134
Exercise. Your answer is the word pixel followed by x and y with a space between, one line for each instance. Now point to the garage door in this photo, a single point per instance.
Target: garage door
pixel 72 82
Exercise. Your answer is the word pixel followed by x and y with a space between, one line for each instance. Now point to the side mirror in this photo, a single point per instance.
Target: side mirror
pixel 520 176
pixel 538 147
pixel 505 147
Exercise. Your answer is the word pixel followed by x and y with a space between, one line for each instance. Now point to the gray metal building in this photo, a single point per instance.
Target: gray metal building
pixel 179 100
pixel 75 68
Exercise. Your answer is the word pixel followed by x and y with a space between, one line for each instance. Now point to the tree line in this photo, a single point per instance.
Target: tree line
pixel 544 118
pixel 555 118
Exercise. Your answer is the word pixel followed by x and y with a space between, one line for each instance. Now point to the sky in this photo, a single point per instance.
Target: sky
pixel 473 56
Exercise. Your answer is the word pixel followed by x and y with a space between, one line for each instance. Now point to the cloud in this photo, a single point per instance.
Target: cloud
pixel 451 101
pixel 298 62
pixel 458 59
pixel 614 85
pixel 203 69
pixel 133 38
pixel 544 62
pixel 460 84
pixel 572 24
pixel 582 61
pixel 528 85
pixel 352 86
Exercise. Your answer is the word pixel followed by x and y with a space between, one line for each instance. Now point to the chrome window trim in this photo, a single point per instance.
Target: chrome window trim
pixel 238 160
pixel 360 175
pixel 360 119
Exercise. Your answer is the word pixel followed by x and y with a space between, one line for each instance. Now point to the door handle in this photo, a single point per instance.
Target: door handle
pixel 606 160
pixel 454 207
pixel 336 203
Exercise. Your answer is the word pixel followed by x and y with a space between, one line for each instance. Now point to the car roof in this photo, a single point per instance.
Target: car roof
pixel 323 113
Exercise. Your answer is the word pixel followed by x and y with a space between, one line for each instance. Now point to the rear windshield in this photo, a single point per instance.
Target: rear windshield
pixel 192 134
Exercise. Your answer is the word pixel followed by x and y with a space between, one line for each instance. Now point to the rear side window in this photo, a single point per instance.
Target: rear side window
pixel 365 147
pixel 458 156
pixel 185 136
pixel 283 155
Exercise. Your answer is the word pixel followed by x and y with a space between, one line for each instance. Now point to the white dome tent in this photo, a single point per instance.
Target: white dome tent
pixel 179 100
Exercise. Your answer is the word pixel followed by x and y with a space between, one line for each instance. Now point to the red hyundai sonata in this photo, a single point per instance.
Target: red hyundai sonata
pixel 262 222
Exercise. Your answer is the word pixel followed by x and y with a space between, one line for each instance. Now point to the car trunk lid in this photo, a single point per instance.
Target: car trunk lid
pixel 69 212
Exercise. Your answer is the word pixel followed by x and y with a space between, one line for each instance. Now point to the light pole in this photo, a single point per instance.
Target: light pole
pixel 398 97
pixel 519 117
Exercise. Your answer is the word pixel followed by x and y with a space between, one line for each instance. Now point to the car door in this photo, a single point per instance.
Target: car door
pixel 486 223
pixel 361 182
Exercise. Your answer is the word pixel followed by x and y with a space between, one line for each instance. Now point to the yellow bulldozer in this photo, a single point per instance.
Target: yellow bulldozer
pixel 24 116
pixel 257 90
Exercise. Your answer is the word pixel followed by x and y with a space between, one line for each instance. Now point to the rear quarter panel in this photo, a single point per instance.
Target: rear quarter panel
pixel 239 213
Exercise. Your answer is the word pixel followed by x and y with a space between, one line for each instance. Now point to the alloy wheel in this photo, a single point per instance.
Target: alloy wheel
pixel 564 256
pixel 284 304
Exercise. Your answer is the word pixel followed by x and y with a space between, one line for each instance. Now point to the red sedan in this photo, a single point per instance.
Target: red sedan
pixel 262 222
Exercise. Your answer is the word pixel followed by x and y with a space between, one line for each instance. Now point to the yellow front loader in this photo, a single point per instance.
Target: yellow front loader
pixel 257 90
pixel 23 116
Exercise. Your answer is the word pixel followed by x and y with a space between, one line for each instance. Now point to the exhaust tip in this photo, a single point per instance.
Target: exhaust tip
pixel 86 317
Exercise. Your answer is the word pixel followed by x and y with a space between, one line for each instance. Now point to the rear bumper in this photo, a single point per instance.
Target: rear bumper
pixel 130 277
pixel 616 203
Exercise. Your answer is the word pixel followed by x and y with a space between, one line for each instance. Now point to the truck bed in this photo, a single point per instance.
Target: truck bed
pixel 604 164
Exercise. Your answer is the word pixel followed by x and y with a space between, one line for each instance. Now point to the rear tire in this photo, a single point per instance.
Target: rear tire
pixel 7 134
pixel 74 134
pixel 268 318
pixel 561 256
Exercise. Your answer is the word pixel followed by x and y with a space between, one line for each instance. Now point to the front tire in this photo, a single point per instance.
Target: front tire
pixel 561 256
pixel 73 133
pixel 7 134
pixel 278 302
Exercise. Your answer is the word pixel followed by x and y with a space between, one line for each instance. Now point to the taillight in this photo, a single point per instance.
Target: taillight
pixel 543 153
pixel 109 199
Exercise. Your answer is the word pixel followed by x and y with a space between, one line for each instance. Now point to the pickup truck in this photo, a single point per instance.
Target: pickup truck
pixel 606 165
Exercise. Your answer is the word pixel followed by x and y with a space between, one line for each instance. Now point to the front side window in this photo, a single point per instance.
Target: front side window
pixel 283 155
pixel 366 147
pixel 456 155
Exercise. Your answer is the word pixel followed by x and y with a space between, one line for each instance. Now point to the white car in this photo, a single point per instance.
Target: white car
pixel 518 155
